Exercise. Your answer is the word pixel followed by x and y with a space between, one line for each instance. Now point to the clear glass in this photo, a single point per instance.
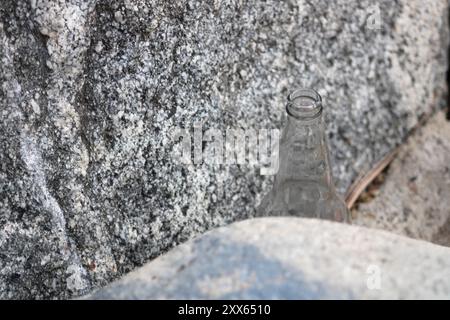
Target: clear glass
pixel 303 185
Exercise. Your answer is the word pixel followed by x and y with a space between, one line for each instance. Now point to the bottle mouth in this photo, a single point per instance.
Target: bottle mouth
pixel 304 104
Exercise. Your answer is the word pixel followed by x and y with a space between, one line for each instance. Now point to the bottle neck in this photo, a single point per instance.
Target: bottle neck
pixel 304 152
pixel 294 124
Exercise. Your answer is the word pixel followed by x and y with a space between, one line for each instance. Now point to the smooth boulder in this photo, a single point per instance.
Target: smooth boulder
pixel 291 258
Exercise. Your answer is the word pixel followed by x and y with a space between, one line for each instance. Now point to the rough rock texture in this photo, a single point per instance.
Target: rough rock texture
pixel 291 258
pixel 414 200
pixel 90 92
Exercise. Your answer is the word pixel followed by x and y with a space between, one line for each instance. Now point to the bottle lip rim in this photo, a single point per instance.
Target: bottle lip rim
pixel 302 112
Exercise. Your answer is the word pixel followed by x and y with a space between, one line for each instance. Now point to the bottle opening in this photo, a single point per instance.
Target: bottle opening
pixel 304 104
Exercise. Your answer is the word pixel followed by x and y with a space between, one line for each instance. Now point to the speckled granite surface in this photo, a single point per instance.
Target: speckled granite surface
pixel 90 91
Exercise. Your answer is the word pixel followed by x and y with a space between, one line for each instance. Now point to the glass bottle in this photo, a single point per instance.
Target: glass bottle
pixel 303 185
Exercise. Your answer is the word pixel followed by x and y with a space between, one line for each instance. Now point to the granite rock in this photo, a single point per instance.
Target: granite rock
pixel 291 258
pixel 91 91
pixel 414 200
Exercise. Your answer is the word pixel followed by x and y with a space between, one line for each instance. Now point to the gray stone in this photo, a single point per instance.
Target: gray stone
pixel 291 258
pixel 414 200
pixel 92 90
